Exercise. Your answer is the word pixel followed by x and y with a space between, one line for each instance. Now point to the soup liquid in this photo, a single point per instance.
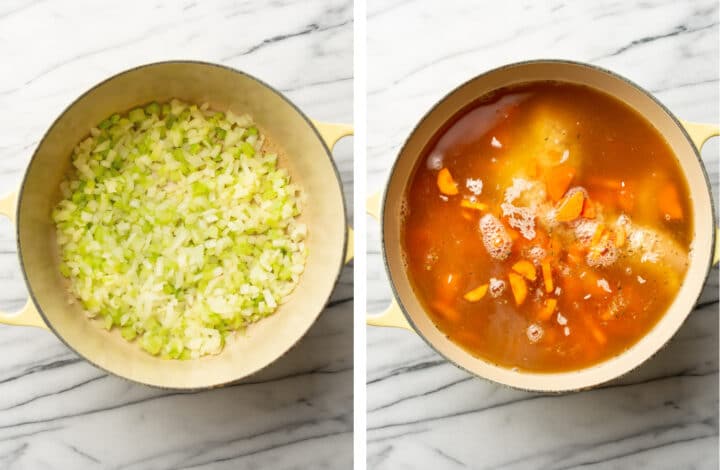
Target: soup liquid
pixel 627 172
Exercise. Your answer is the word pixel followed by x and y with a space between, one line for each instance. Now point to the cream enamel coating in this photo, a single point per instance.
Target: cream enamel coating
pixel 304 149
pixel 683 143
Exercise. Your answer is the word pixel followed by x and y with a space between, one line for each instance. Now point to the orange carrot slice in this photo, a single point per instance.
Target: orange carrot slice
pixel 476 294
pixel 547 275
pixel 596 332
pixel 558 180
pixel 547 310
pixel 597 235
pixel 570 206
pixel 446 184
pixel 525 268
pixel 478 206
pixel 446 310
pixel 669 202
pixel 605 183
pixel 620 236
pixel 519 288
pixel 555 247
pixel 589 209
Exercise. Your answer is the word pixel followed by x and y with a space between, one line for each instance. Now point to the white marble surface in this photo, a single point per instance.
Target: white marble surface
pixel 56 411
pixel 424 413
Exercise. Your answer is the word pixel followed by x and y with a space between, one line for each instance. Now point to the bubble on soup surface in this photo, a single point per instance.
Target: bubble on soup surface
pixel 604 256
pixel 430 259
pixel 497 287
pixel 474 185
pixel 434 161
pixel 404 210
pixel 536 254
pixel 584 230
pixel 522 218
pixel 495 238
pixel 535 332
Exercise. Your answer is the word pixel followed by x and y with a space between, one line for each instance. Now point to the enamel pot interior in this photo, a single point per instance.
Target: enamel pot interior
pixel 609 83
pixel 301 151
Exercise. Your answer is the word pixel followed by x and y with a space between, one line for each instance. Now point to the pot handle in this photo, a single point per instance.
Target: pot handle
pixel 330 134
pixel 699 134
pixel 27 315
pixel 392 316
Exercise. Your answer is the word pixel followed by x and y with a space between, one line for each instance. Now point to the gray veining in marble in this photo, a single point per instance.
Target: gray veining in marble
pixel 56 411
pixel 424 413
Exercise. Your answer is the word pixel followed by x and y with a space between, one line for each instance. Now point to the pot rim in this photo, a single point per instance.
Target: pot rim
pixel 21 191
pixel 383 206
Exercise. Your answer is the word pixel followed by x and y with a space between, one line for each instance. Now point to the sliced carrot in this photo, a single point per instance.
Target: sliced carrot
pixel 570 206
pixel 525 268
pixel 599 230
pixel 519 288
pixel 558 181
pixel 547 310
pixel 446 184
pixel 555 247
pixel 606 183
pixel 669 202
pixel 600 247
pixel 478 206
pixel 547 275
pixel 588 209
pixel 596 332
pixel 476 294
pixel 446 310
pixel 620 236
pixel 466 215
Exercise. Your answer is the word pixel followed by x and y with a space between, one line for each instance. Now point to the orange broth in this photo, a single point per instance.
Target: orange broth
pixel 547 228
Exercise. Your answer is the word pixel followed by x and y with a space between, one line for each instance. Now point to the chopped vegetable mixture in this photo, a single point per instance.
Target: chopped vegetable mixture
pixel 178 227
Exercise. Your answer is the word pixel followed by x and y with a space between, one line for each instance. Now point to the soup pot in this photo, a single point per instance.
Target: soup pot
pixel 684 138
pixel 304 150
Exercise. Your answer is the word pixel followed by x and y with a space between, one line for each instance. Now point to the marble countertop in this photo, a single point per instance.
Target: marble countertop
pixel 424 413
pixel 57 411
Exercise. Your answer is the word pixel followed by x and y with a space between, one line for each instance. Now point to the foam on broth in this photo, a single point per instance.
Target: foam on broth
pixel 524 158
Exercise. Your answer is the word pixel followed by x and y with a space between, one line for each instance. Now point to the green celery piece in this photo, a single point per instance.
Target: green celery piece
pixel 136 115
pixel 153 108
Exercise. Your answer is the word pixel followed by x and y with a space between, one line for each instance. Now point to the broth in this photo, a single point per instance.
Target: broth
pixel 538 223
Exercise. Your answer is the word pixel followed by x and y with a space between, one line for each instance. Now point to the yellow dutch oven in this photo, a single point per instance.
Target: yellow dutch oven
pixel 685 138
pixel 305 150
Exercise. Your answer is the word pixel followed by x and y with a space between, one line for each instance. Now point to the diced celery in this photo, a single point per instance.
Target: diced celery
pixel 65 269
pixel 152 108
pixel 136 115
pixel 247 149
pixel 128 332
pixel 152 343
pixel 157 222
